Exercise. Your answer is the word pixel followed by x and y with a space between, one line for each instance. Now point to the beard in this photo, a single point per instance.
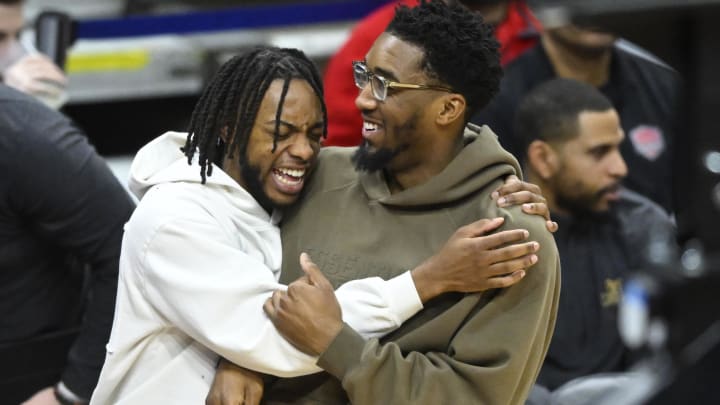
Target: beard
pixel 251 176
pixel 365 160
pixel 582 204
pixel 381 158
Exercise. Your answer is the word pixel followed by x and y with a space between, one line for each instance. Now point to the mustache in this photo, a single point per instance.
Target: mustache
pixel 611 188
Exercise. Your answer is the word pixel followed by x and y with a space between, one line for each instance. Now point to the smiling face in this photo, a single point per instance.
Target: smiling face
pixel 276 178
pixel 590 165
pixel 397 132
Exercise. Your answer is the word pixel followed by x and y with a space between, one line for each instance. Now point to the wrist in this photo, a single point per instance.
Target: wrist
pixel 427 286
pixel 66 397
pixel 331 333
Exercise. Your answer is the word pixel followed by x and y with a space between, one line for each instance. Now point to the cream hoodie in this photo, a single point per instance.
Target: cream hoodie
pixel 197 263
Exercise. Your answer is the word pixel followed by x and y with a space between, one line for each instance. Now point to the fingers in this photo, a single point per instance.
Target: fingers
pixel 542 210
pixel 312 271
pixel 552 226
pixel 272 304
pixel 506 280
pixel 518 257
pixel 480 227
pixel 537 209
pixel 42 67
pixel 520 197
pixel 500 239
pixel 512 185
pixel 253 394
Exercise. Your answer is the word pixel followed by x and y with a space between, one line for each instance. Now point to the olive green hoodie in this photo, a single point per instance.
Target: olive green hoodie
pixel 483 348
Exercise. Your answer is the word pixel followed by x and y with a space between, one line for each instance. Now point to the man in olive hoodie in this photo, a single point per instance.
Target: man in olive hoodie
pixel 420 173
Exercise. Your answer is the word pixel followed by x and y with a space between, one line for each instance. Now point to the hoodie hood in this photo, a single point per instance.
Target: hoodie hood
pixel 161 161
pixel 481 161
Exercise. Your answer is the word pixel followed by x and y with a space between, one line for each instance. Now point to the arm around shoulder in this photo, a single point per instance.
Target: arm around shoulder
pixel 483 348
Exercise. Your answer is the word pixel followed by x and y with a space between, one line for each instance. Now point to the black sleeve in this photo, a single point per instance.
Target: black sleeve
pixel 69 196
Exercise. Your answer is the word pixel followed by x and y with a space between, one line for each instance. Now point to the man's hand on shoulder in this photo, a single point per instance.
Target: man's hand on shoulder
pixel 475 260
pixel 515 192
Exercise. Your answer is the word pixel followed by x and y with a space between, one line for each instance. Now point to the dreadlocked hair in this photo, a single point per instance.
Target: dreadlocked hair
pixel 230 102
pixel 460 49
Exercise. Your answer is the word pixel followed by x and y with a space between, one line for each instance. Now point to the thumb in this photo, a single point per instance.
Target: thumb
pixel 312 271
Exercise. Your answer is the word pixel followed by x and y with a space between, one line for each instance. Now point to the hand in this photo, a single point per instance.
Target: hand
pixel 43 397
pixel 514 192
pixel 235 385
pixel 473 261
pixel 307 314
pixel 37 75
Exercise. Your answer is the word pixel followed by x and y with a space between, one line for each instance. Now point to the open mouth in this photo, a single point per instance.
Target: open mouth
pixel 289 181
pixel 370 130
pixel 369 126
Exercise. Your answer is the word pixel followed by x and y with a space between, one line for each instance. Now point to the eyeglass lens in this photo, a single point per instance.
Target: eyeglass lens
pixel 362 76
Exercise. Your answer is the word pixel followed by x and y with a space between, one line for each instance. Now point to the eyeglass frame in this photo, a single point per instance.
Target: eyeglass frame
pixel 389 84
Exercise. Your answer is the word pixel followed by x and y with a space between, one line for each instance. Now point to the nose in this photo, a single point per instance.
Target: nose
pixel 617 166
pixel 303 148
pixel 365 99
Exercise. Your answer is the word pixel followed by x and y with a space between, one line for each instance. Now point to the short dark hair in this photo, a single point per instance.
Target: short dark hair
pixel 550 111
pixel 232 99
pixel 460 49
pixel 11 2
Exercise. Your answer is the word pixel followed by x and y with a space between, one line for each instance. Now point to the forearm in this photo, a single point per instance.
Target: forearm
pixel 87 354
pixel 374 307
pixel 487 350
pixel 427 283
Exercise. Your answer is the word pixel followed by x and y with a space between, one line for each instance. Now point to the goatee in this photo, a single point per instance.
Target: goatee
pixel 365 160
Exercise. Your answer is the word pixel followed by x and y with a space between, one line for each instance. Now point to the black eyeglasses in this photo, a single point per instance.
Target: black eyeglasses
pixel 380 85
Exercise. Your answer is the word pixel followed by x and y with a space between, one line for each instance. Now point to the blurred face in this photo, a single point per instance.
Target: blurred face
pixel 591 168
pixel 581 40
pixel 276 177
pixel 11 22
pixel 395 131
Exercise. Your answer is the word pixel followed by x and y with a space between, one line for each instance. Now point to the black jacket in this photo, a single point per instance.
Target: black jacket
pixel 61 208
pixel 644 91
pixel 597 253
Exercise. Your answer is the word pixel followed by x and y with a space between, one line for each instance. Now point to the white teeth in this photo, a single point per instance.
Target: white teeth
pixel 369 126
pixel 297 173
pixel 286 180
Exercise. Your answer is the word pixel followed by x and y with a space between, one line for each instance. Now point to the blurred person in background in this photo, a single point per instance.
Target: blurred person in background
pixel 61 216
pixel 644 91
pixel 572 137
pixel 23 67
pixel 515 28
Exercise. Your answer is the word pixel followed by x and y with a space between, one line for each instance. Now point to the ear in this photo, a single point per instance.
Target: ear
pixel 543 159
pixel 452 109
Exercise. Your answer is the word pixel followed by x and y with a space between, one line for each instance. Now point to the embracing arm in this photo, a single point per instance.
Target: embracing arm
pixel 494 350
pixel 220 306
pixel 486 349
